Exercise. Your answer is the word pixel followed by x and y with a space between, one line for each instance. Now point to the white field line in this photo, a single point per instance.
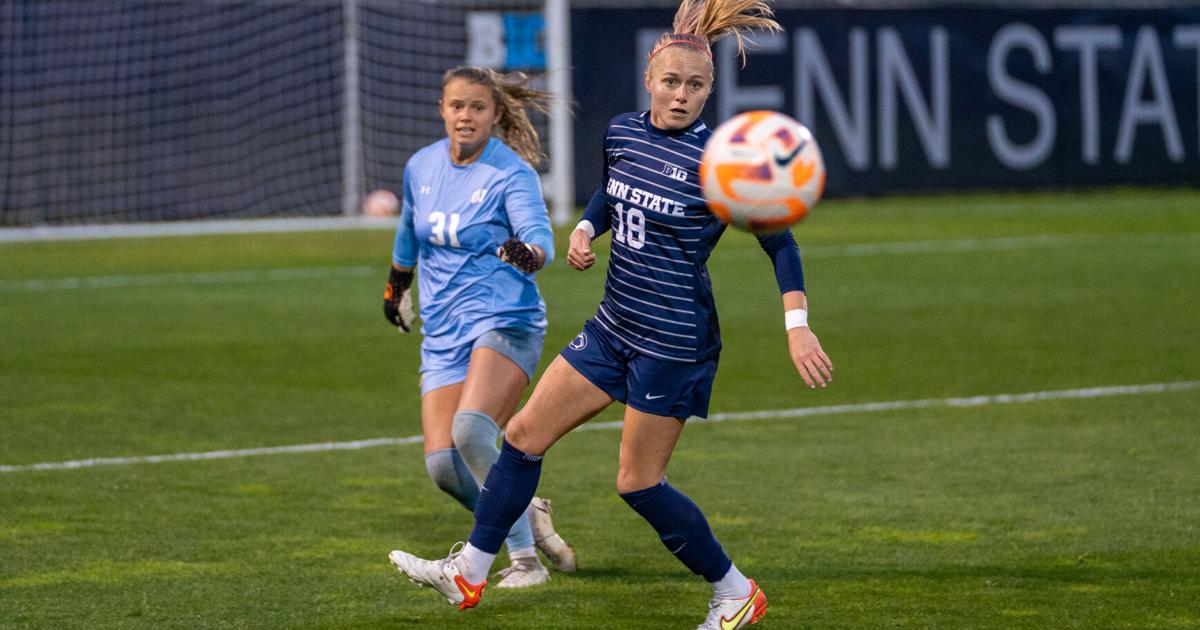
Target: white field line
pixel 944 246
pixel 194 228
pixel 1006 243
pixel 187 278
pixel 770 414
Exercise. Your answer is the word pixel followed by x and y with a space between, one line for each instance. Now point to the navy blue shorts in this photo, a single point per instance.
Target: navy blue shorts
pixel 655 386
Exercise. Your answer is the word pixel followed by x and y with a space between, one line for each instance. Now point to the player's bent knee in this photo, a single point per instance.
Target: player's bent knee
pixel 474 430
pixel 522 436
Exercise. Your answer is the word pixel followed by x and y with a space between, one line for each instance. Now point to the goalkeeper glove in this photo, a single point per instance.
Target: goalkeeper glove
pixel 397 300
pixel 519 255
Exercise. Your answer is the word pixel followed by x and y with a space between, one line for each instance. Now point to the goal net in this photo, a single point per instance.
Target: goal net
pixel 166 110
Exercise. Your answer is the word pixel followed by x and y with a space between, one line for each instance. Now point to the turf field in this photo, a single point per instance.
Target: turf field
pixel 1075 509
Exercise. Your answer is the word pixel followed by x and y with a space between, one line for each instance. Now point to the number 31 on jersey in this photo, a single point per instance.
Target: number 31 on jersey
pixel 439 229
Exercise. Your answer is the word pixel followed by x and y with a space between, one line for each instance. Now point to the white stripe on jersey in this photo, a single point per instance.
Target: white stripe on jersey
pixel 688 133
pixel 665 246
pixel 656 146
pixel 634 286
pixel 641 253
pixel 605 313
pixel 673 273
pixel 650 219
pixel 678 249
pixel 676 322
pixel 656 185
pixel 641 338
pixel 665 308
pixel 634 310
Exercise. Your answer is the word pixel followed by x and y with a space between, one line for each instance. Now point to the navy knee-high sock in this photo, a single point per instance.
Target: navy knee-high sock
pixel 505 494
pixel 682 528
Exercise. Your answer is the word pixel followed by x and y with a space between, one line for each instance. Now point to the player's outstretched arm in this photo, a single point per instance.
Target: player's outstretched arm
pixel 810 360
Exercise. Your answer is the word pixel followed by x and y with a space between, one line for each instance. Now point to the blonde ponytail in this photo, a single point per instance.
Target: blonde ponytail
pixel 699 23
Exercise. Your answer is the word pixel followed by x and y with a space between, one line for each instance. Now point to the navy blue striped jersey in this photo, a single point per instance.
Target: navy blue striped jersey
pixel 658 296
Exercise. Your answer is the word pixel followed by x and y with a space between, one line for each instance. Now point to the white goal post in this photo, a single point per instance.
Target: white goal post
pixel 174 111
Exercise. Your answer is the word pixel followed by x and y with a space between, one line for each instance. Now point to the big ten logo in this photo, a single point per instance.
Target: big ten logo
pixel 506 40
pixel 674 172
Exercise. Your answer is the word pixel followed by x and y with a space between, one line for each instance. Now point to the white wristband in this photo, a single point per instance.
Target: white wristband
pixel 795 318
pixel 587 228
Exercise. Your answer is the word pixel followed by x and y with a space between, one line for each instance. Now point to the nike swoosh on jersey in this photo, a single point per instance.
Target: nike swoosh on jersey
pixel 649 397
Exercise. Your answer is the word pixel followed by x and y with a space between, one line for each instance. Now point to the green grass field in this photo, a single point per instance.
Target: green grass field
pixel 1054 513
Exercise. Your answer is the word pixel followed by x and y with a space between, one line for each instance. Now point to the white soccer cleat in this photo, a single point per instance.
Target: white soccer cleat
pixel 730 614
pixel 547 540
pixel 443 576
pixel 522 573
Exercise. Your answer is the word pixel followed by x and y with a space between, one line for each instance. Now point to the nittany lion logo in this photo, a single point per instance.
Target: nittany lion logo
pixel 579 342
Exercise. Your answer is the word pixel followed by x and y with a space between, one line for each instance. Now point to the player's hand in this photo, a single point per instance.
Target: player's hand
pixel 811 361
pixel 523 256
pixel 580 255
pixel 397 300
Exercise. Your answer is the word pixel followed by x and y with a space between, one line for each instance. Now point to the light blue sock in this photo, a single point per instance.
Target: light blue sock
pixel 450 473
pixel 475 435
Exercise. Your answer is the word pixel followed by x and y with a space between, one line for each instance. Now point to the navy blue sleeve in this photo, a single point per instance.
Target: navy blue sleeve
pixel 785 256
pixel 596 212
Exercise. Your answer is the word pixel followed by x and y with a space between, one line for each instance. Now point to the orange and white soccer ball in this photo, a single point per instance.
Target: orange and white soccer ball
pixel 762 171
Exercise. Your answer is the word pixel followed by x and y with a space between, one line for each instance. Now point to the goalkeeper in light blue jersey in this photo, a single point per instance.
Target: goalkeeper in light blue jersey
pixel 475 227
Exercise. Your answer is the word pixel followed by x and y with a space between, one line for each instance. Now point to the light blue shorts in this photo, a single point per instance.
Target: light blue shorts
pixel 440 368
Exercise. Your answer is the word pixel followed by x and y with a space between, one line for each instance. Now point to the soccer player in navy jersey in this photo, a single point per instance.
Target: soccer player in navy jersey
pixel 474 224
pixel 654 341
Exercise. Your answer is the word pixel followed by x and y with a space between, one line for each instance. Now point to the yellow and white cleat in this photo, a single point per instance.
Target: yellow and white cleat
pixel 730 614
pixel 443 576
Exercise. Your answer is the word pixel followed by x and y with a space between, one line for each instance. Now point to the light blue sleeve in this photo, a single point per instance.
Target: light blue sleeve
pixel 527 211
pixel 404 251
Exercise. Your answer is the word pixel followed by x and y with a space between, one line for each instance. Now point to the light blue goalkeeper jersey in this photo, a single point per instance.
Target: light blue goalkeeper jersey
pixel 452 221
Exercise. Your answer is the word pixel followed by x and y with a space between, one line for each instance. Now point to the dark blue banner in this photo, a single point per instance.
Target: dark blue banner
pixel 937 99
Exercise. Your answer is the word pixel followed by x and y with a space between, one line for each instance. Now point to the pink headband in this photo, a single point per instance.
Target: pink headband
pixel 695 41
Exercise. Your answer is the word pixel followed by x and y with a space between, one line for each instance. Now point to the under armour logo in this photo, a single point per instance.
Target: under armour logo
pixel 478 195
pixel 425 190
